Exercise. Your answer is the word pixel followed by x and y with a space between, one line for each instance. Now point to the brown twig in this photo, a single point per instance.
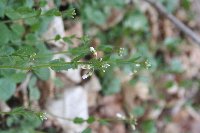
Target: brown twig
pixel 161 9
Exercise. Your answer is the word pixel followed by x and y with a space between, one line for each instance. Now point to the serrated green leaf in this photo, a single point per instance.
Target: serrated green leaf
pixel 78 120
pixel 138 111
pixel 31 21
pixel 31 37
pixel 137 22
pixel 53 12
pixel 25 51
pixel 91 119
pixel 7 88
pixel 2 7
pixel 84 49
pixel 33 90
pixel 103 122
pixel 78 57
pixel 18 77
pixel 67 40
pixel 106 48
pixel 42 3
pixel 42 73
pixel 4 34
pixel 32 82
pixel 95 15
pixel 111 84
pixel 149 127
pixel 12 14
pixel 18 29
pixel 57 37
pixel 87 130
pixel 24 10
pixel 69 13
pixel 60 64
pixel 6 50
pixel 34 93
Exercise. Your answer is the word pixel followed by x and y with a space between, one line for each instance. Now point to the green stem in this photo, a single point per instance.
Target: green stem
pixel 37 56
pixel 40 66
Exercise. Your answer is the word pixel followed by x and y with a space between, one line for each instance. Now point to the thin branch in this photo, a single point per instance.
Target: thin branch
pixel 185 29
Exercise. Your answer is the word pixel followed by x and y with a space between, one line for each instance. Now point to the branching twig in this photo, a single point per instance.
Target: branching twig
pixel 161 9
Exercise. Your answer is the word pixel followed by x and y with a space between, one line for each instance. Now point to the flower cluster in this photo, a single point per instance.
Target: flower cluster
pixel 93 51
pixel 73 13
pixel 86 66
pixel 43 116
pixel 88 74
pixel 147 64
pixel 104 66
pixel 121 51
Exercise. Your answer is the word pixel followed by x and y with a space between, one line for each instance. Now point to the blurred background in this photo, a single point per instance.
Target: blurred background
pixel 163 99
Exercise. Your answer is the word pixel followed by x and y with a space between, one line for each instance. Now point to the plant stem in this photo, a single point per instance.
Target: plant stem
pixel 41 66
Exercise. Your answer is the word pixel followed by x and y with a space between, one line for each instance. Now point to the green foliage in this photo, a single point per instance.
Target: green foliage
pixel 90 120
pixel 78 120
pixel 175 66
pixel 149 127
pixel 22 51
pixel 34 92
pixel 5 34
pixel 170 5
pixel 87 130
pixel 2 7
pixel 172 43
pixel 137 22
pixel 186 4
pixel 7 88
pixel 42 73
pixel 138 111
pixel 112 85
pixel 22 120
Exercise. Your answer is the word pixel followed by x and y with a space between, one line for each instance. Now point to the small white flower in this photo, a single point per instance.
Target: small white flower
pixel 86 66
pixel 147 64
pixel 93 51
pixel 121 51
pixel 87 75
pixel 105 65
pixel 120 116
pixel 43 116
pixel 137 65
pixel 84 76
pixel 133 127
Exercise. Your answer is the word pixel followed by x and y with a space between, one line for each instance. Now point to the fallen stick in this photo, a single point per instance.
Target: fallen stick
pixel 185 29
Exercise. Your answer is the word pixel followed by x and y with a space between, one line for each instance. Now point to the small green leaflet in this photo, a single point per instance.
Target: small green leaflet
pixel 87 130
pixel 60 64
pixel 7 88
